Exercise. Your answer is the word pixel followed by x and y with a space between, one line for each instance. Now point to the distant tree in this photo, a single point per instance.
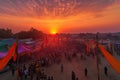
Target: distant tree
pixel 32 33
pixel 6 33
pixel 22 35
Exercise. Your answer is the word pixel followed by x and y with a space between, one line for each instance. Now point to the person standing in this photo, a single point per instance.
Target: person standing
pixel 86 72
pixel 62 68
pixel 106 71
pixel 25 73
pixel 19 74
pixel 12 67
pixel 13 71
pixel 77 78
pixel 73 75
pixel 51 77
pixel 24 67
pixel 38 72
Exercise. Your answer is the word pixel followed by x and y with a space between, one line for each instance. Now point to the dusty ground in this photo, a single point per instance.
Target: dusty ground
pixel 77 66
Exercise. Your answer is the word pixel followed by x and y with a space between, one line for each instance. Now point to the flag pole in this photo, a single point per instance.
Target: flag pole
pixel 97 57
pixel 16 50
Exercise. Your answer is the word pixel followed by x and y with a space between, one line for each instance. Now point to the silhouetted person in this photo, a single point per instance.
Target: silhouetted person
pixel 86 72
pixel 62 68
pixel 38 71
pixel 12 69
pixel 25 73
pixel 51 77
pixel 13 72
pixel 77 78
pixel 106 71
pixel 19 74
pixel 45 78
pixel 73 75
pixel 24 67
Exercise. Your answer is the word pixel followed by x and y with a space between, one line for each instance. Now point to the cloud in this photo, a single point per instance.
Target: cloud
pixel 56 8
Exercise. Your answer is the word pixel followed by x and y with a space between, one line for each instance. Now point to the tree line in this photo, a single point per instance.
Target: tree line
pixel 32 33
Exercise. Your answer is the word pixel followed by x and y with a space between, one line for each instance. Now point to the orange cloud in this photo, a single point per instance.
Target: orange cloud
pixel 77 17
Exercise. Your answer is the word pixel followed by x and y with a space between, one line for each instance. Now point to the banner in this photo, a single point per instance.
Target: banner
pixel 90 46
pixel 6 59
pixel 111 60
pixel 87 46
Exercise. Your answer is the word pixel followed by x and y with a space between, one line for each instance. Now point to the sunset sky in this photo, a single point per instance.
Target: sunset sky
pixel 69 16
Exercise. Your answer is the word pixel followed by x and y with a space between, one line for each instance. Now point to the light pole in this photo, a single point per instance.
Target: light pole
pixel 97 57
pixel 16 51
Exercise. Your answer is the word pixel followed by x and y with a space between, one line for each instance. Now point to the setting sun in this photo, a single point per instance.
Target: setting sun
pixel 53 31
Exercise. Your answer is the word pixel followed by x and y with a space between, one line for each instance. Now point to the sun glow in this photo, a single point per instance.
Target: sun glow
pixel 53 31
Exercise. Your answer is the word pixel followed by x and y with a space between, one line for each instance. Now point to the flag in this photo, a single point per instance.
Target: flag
pixel 7 58
pixel 111 59
pixel 87 46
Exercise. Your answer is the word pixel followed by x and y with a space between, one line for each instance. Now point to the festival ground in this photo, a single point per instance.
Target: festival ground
pixel 77 65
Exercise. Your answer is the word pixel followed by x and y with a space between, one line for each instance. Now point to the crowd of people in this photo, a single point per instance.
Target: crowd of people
pixel 32 72
pixel 51 53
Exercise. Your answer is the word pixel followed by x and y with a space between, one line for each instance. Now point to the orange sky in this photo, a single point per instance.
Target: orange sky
pixel 105 20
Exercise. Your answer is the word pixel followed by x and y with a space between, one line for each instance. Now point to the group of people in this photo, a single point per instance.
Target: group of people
pixel 49 55
pixel 74 77
pixel 32 71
